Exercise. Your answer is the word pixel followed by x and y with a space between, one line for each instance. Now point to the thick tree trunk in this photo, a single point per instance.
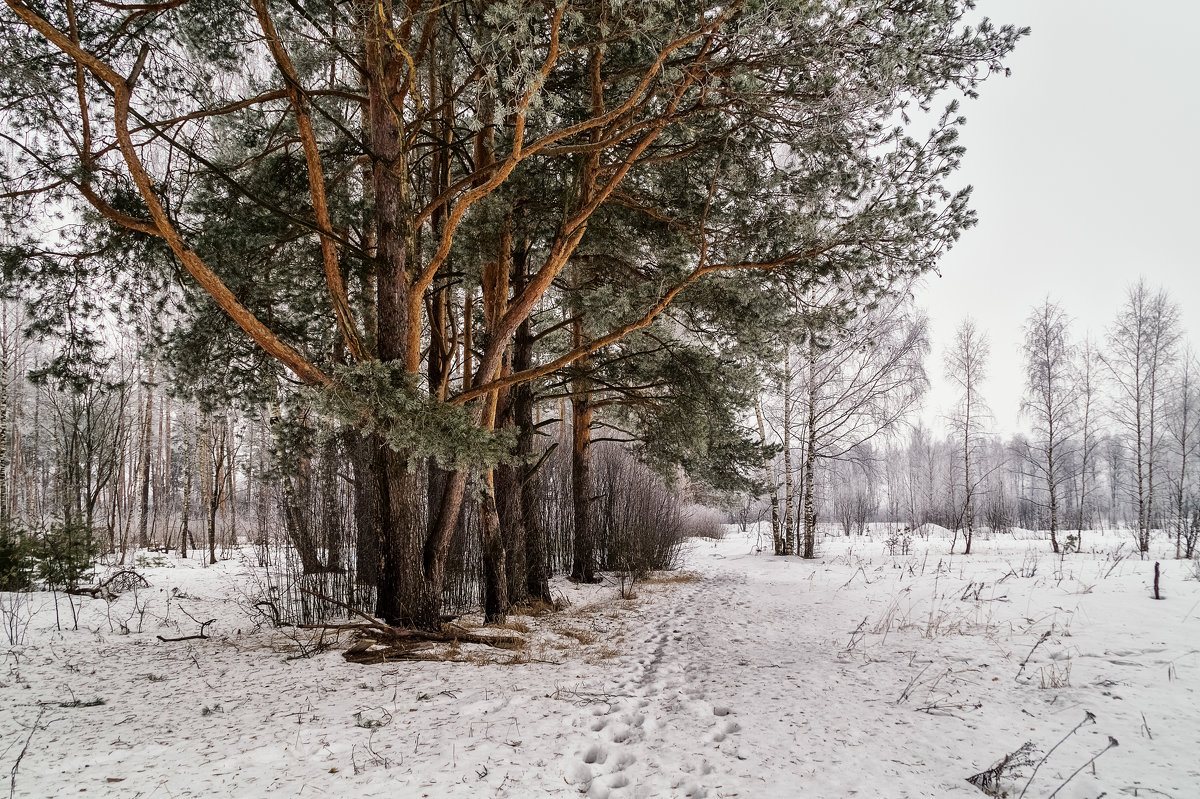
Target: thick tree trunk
pixel 410 562
pixel 495 577
pixel 367 510
pixel 537 550
pixel 517 486
pixel 583 565
pixel 402 597
pixel 508 498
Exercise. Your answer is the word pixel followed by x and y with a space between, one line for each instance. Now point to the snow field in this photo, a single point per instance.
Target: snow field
pixel 861 673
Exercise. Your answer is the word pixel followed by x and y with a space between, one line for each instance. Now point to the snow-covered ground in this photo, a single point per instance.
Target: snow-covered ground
pixel 862 673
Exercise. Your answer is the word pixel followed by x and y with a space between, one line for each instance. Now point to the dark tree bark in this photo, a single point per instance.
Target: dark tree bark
pixel 367 508
pixel 583 566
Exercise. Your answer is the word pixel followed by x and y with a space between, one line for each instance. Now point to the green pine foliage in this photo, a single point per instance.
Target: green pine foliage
pixel 61 555
pixel 382 399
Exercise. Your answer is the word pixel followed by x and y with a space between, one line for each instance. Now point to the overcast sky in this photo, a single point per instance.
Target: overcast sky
pixel 1086 168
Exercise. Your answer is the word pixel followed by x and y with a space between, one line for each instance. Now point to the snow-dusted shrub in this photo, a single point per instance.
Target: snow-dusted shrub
pixel 701 522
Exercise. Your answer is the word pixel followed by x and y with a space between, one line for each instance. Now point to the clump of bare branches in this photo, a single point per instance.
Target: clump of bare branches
pixel 989 780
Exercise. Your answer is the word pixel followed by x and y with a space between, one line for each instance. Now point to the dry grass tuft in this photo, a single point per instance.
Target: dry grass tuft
pixel 514 624
pixel 605 652
pixel 536 608
pixel 585 637
pixel 671 578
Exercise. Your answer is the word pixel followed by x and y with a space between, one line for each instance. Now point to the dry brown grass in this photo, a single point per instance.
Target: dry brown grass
pixel 585 637
pixel 606 652
pixel 515 624
pixel 536 608
pixel 671 578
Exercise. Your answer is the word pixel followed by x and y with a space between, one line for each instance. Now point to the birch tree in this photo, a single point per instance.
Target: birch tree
pixel 862 372
pixel 1089 429
pixel 965 366
pixel 1142 343
pixel 1050 400
pixel 1183 428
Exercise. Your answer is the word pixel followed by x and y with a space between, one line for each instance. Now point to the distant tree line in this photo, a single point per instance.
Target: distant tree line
pixel 1111 432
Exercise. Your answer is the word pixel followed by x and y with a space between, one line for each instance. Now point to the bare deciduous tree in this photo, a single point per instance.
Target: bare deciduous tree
pixel 861 377
pixel 1183 426
pixel 1088 409
pixel 1051 397
pixel 965 363
pixel 1142 345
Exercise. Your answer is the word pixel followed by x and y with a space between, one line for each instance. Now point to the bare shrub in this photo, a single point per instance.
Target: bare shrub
pixel 15 615
pixel 853 507
pixel 899 542
pixel 640 522
pixel 701 522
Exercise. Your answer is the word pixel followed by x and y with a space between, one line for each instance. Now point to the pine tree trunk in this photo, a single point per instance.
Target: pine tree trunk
pixel 367 510
pixel 506 492
pixel 583 565
pixel 522 491
pixel 495 577
pixel 511 519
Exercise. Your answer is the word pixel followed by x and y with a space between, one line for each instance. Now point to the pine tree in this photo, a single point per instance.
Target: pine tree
pixel 302 163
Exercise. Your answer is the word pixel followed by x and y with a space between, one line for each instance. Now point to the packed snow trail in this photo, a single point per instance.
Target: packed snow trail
pixel 862 673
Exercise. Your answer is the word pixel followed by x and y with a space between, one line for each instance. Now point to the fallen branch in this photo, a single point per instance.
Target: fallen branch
pixel 398 643
pixel 203 625
pixel 380 642
pixel 122 580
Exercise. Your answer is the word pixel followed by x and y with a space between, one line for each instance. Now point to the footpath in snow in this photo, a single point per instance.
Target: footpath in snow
pixel 874 671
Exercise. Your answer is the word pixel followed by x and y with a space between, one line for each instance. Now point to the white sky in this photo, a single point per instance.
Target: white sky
pixel 1086 168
